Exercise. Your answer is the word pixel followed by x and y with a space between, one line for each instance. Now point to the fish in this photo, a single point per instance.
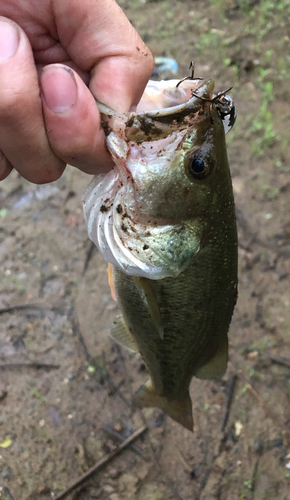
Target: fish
pixel 164 220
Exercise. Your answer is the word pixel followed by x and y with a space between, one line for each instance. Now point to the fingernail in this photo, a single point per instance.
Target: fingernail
pixel 9 39
pixel 59 88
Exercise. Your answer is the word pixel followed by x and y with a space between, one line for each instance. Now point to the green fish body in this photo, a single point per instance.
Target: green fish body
pixel 173 242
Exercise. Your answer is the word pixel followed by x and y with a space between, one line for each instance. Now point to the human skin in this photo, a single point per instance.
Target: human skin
pixel 55 57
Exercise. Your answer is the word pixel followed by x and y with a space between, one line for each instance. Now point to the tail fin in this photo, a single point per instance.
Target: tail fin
pixel 178 410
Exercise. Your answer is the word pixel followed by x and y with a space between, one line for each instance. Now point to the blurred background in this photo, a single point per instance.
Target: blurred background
pixel 64 385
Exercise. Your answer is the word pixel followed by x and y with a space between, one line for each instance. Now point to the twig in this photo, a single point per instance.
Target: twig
pixel 278 359
pixel 102 462
pixel 37 366
pixel 21 307
pixel 254 475
pixel 229 393
pixel 77 331
pixel 218 493
pixel 167 481
pixel 5 493
pixel 263 403
pixel 114 387
pixel 91 247
pixel 111 432
pixel 3 395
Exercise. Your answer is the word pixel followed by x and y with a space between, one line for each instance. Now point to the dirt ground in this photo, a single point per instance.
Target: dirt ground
pixel 63 378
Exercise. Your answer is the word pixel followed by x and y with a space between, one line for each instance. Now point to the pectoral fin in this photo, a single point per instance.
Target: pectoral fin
pixel 122 335
pixel 148 295
pixel 217 365
pixel 111 282
pixel 178 410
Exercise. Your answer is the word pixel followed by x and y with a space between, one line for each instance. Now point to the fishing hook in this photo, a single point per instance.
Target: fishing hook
pixel 217 99
pixel 190 77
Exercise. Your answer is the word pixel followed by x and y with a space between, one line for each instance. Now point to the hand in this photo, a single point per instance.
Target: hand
pixel 49 120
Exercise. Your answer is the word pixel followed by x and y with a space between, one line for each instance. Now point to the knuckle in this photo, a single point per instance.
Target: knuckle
pixel 5 167
pixel 73 150
pixel 11 104
pixel 46 176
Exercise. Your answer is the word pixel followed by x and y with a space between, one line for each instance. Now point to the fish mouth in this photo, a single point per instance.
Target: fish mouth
pixel 144 124
pixel 139 246
pixel 182 96
pixel 162 126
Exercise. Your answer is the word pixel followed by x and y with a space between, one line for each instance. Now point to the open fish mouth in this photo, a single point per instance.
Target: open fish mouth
pixel 120 206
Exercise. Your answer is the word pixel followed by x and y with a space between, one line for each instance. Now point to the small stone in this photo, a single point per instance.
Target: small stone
pixel 114 496
pixel 107 488
pixel 258 446
pixel 43 490
pixel 114 473
pixel 41 423
pixel 159 420
pixel 54 416
pixel 6 472
pixel 252 355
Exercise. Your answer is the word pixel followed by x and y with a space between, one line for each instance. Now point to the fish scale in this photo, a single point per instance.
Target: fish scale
pixel 169 230
pixel 199 308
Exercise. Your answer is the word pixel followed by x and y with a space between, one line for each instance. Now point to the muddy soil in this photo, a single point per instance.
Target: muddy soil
pixel 61 376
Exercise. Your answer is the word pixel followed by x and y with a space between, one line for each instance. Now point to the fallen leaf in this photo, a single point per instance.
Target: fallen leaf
pixel 238 428
pixel 6 443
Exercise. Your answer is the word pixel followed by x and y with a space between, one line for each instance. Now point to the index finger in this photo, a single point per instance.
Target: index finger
pixel 100 39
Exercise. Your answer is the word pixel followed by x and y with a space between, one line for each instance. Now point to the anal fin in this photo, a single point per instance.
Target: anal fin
pixel 217 365
pixel 122 335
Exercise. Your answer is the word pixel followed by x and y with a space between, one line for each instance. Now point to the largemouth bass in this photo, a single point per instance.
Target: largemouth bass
pixel 165 219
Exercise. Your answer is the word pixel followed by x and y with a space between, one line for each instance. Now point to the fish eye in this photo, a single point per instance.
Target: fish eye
pixel 198 167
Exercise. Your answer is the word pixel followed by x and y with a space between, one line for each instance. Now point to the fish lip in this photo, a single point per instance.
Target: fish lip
pixel 191 106
pixel 147 126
